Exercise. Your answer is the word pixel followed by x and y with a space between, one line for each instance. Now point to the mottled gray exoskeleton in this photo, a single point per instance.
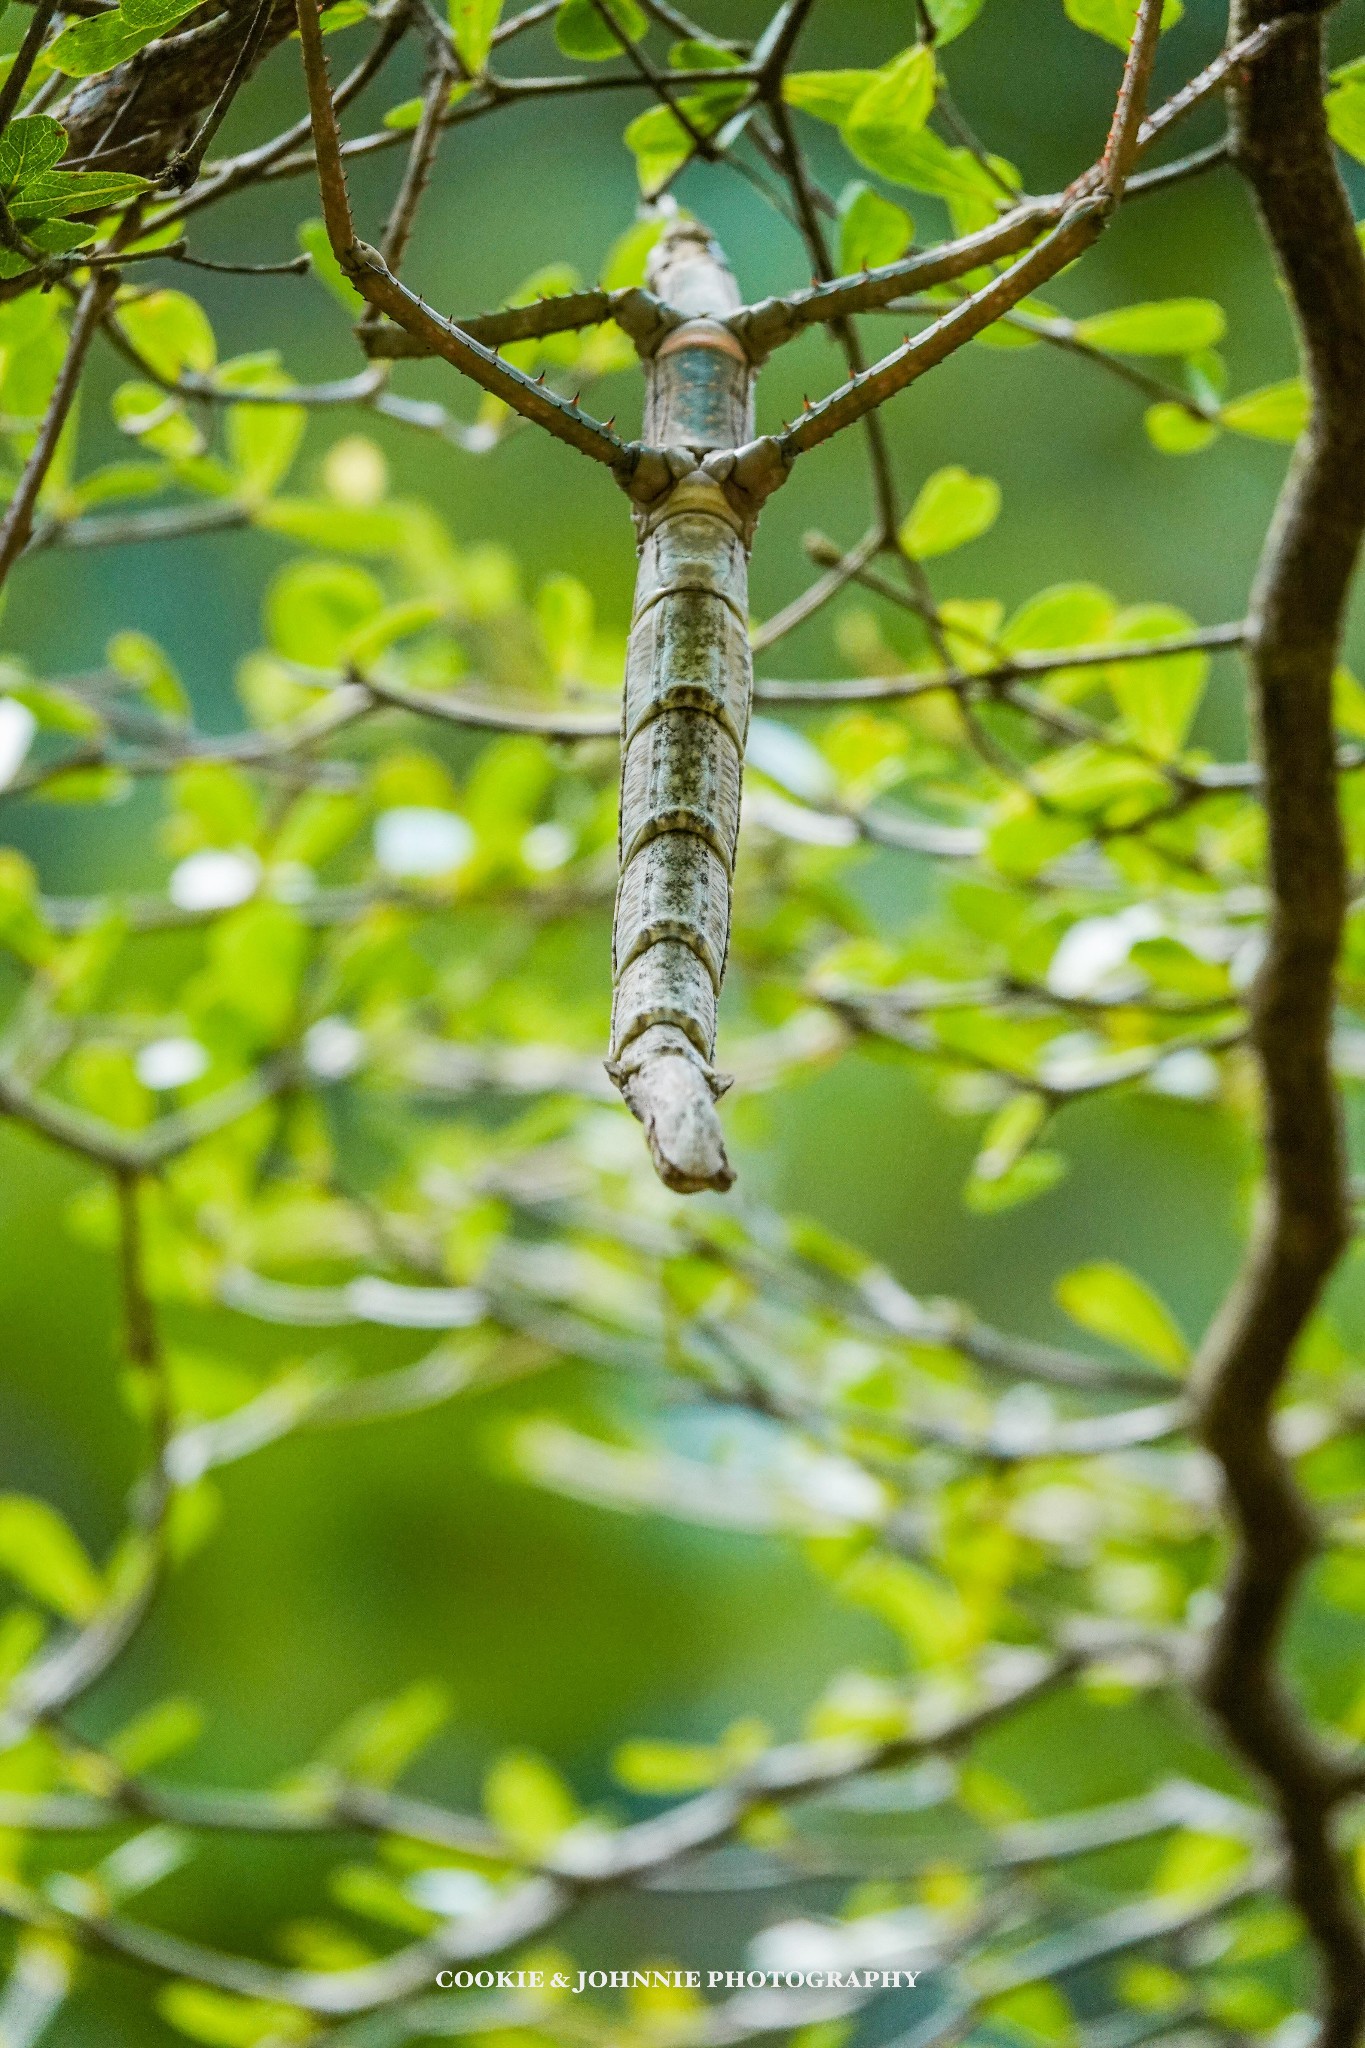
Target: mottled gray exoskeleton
pixel 688 686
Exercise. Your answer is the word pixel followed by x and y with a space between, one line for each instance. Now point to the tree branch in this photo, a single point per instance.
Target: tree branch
pixel 1281 145
pixel 18 520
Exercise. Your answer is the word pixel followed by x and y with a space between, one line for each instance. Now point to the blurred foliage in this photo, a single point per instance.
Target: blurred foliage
pixel 723 1505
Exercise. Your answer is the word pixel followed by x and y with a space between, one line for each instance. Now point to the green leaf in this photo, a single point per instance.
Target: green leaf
pixel 87 786
pixel 1036 1173
pixel 220 2019
pixel 172 331
pixel 406 115
pixel 115 480
pixel 1174 966
pixel 1066 615
pixel 29 145
pixel 1158 698
pixel 1348 711
pixel 1277 412
pixel 159 421
pixel 22 929
pixel 1008 1135
pixel 826 95
pixel 1153 1987
pixel 892 111
pixel 952 508
pixel 564 612
pixel 352 529
pixel 374 1895
pixel 1162 327
pixel 89 47
pixel 1024 838
pixel 138 659
pixel 313 240
pixel 1091 779
pixel 917 158
pixel 692 55
pixel 395 622
pixel 1199 1866
pixel 872 230
pixel 22 1633
pixel 472 23
pixel 665 1769
pixel 1036 2015
pixel 628 256
pixel 312 608
pixel 930 1615
pixel 661 145
pixel 97 45
pixel 1006 333
pixel 528 1801
pixel 55 194
pixel 159 1732
pixel 1346 117
pixel 1114 1304
pixel 1175 430
pixel 1115 19
pixel 262 441
pixel 40 1552
pixel 950 17
pixel 379 1742
pixel 60 237
pixel 581 32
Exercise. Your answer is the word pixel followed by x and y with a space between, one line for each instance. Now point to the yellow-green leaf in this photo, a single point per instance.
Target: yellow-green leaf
pixel 528 1801
pixel 1112 1303
pixel 892 110
pixel 472 23
pixel 952 508
pixel 1115 19
pixel 1161 327
pixel 41 1553
pixel 1277 412
pixel 1175 430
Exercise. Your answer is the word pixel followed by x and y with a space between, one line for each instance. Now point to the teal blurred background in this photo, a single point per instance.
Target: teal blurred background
pixel 348 1564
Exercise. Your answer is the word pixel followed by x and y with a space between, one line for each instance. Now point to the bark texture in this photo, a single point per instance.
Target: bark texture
pixel 140 115
pixel 1280 143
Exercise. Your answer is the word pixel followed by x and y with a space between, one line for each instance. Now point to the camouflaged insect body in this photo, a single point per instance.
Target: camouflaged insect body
pixel 687 694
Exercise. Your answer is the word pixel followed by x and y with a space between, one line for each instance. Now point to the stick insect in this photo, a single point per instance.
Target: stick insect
pixel 697 483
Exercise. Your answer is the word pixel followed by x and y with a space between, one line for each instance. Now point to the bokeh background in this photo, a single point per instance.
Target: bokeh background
pixel 350 1563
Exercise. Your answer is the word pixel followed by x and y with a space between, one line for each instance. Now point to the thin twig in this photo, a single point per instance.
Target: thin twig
pixel 18 521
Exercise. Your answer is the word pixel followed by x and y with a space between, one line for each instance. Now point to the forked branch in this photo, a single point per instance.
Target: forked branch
pixel 372 277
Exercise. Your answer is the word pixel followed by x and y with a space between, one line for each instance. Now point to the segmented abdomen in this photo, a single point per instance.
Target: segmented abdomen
pixel 688 689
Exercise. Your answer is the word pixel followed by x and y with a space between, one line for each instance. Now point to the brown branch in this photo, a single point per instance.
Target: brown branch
pixel 843 570
pixel 1281 145
pixel 1082 222
pixel 417 173
pixel 18 521
pixel 635 310
pixel 372 277
pixel 233 173
pixel 894 689
pixel 17 76
pixel 137 116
